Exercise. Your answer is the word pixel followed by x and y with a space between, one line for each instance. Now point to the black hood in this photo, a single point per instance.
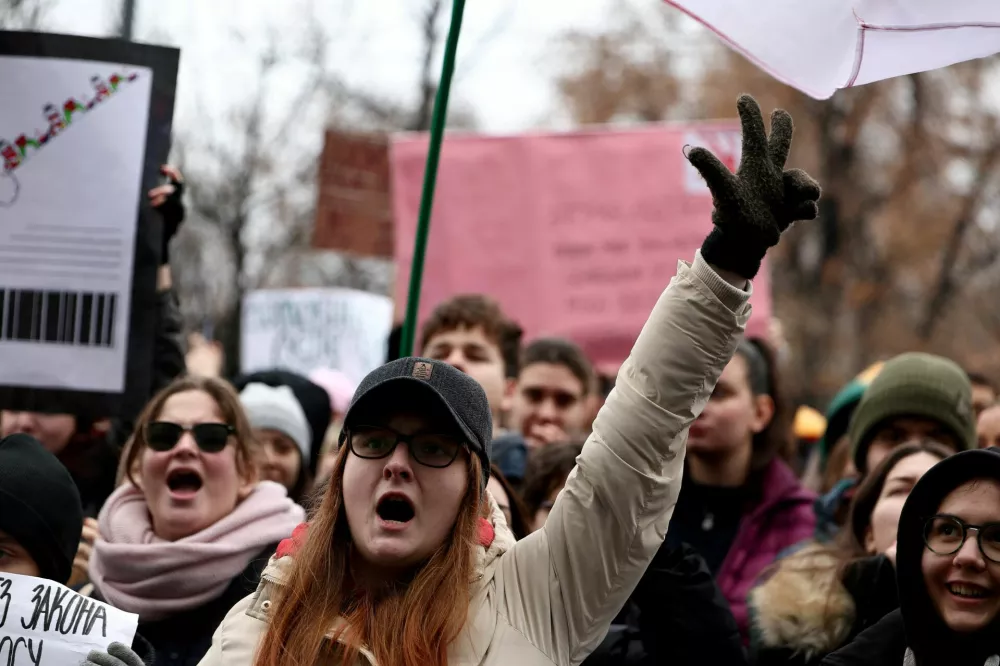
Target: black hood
pixel 926 633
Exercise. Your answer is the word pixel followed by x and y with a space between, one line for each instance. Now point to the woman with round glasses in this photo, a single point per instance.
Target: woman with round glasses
pixel 188 535
pixel 947 572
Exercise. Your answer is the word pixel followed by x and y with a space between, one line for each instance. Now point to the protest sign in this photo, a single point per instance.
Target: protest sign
pixel 305 329
pixel 43 623
pixel 822 45
pixel 84 126
pixel 574 234
pixel 353 212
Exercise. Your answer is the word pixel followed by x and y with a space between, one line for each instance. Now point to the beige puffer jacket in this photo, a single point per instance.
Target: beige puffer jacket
pixel 550 598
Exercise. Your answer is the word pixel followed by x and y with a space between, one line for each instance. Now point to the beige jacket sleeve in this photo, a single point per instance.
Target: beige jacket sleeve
pixel 562 586
pixel 236 639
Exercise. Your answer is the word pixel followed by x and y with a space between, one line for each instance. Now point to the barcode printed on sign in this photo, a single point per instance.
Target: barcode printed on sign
pixel 84 319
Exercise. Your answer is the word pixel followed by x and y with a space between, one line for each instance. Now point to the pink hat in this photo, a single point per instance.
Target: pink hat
pixel 337 384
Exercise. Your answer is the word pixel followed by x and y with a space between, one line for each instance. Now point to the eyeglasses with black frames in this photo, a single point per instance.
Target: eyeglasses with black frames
pixel 430 450
pixel 945 535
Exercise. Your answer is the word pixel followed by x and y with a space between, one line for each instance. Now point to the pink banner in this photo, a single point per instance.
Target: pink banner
pixel 575 235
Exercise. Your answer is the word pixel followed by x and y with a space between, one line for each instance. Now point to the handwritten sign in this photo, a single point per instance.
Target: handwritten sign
pixel 305 329
pixel 574 234
pixel 43 623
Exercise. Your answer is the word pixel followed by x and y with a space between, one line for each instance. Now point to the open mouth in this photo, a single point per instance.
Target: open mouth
pixel 396 509
pixel 184 482
pixel 967 591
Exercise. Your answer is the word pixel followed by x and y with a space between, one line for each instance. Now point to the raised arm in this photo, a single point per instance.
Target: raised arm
pixel 168 355
pixel 563 585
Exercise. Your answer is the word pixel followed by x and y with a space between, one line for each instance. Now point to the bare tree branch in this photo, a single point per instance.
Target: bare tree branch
pixel 945 285
pixel 252 180
pixel 428 84
pixel 472 56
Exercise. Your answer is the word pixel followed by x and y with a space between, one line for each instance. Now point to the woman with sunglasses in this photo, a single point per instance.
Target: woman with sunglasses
pixel 947 572
pixel 189 533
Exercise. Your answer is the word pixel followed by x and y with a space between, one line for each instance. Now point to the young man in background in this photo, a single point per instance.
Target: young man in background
pixel 470 332
pixel 550 404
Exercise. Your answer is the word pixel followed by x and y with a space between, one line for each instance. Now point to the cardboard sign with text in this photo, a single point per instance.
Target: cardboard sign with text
pixel 352 208
pixel 305 329
pixel 575 234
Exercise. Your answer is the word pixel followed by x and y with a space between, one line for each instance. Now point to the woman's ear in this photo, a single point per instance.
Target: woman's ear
pixel 122 475
pixel 246 488
pixel 248 479
pixel 763 413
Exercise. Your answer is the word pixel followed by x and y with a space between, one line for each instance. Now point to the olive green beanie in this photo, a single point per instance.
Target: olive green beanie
pixel 914 385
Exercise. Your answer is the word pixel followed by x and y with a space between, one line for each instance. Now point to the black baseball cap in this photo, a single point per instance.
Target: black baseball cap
pixel 461 397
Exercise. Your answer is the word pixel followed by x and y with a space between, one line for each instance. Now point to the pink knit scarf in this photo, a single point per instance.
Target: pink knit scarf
pixel 136 571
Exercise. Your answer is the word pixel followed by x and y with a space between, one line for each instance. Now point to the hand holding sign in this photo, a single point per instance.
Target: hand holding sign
pixel 168 199
pixel 117 655
pixel 43 623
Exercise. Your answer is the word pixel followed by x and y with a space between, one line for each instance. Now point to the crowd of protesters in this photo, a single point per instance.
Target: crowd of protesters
pixel 497 501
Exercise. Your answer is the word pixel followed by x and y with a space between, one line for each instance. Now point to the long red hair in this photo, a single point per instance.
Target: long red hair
pixel 409 623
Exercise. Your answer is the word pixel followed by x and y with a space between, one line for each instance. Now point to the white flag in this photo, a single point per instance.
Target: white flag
pixel 819 46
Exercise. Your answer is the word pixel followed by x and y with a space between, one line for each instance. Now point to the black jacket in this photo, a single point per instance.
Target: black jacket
pixel 882 645
pixel 675 616
pixel 184 639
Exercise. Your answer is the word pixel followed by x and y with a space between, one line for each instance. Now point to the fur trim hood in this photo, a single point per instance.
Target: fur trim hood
pixel 804 606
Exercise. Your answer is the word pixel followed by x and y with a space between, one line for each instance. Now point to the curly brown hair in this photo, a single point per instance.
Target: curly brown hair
pixel 477 311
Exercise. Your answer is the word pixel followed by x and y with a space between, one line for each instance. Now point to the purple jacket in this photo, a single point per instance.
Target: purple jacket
pixel 783 518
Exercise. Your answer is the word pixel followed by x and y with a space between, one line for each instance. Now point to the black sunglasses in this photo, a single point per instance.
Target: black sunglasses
pixel 210 437
pixel 430 450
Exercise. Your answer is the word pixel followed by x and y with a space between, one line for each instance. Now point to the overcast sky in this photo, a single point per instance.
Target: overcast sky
pixel 505 65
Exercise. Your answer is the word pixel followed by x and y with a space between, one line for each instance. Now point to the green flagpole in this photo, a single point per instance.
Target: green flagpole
pixel 430 180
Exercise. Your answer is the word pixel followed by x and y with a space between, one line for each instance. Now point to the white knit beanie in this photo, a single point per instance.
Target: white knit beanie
pixel 276 408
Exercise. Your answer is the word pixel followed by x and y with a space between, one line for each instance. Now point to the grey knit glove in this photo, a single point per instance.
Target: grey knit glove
pixel 118 654
pixel 757 203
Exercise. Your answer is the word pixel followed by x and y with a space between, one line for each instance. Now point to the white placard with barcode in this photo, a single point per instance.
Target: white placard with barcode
pixel 305 329
pixel 72 142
